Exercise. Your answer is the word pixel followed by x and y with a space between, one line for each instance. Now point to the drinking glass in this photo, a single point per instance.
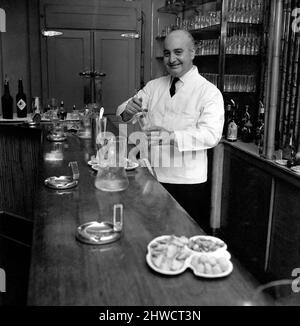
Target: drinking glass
pixel 143 120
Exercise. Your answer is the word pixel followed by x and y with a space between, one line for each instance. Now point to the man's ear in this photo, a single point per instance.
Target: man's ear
pixel 193 53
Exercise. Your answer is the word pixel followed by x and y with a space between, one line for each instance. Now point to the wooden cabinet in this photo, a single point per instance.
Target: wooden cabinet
pixel 15 244
pixel 285 235
pixel 245 209
pixel 260 212
pixel 97 38
pixel 67 56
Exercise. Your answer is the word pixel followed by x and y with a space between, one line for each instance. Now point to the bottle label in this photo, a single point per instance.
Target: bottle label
pixel 21 104
pixel 232 131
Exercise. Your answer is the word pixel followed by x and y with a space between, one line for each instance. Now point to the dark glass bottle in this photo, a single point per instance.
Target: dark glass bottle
pixel 260 128
pixel 247 127
pixel 21 101
pixel 292 152
pixel 228 113
pixel 62 113
pixel 232 129
pixel 7 102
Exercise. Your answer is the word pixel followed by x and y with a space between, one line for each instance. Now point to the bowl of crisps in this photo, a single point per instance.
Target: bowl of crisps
pixel 209 245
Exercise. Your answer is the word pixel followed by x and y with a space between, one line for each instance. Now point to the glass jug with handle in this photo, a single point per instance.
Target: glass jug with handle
pixel 111 174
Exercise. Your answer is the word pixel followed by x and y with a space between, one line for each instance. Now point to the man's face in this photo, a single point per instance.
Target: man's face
pixel 178 54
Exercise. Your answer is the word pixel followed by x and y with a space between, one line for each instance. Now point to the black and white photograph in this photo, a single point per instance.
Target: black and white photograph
pixel 149 158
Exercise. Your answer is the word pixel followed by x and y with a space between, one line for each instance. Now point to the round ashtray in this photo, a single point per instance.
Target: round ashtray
pixel 62 182
pixel 54 137
pixel 97 233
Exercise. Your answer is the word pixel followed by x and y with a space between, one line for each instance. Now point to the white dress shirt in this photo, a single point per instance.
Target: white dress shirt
pixel 196 116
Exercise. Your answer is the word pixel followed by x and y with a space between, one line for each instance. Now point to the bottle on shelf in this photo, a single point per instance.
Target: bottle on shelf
pixel 227 118
pixel 259 131
pixel 247 126
pixel 232 129
pixel 62 113
pixel 21 101
pixel 291 156
pixel 7 102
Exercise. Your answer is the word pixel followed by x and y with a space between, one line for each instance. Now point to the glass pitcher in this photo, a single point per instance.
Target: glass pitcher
pixel 111 174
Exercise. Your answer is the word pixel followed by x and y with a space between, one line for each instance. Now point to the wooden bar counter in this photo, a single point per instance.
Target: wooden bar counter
pixel 66 272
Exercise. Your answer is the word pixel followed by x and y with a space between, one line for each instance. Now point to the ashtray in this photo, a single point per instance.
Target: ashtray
pixel 282 162
pixel 62 182
pixel 98 233
pixel 55 137
pixel 296 168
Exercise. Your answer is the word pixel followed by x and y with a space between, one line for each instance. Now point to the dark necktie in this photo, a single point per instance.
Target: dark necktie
pixel 173 88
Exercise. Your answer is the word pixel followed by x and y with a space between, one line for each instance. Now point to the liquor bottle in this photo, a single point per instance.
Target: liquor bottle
pixel 232 129
pixel 228 113
pixel 21 101
pixel 292 152
pixel 62 113
pixel 7 102
pixel 247 126
pixel 260 127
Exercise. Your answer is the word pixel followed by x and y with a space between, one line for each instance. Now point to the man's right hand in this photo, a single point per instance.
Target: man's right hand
pixel 133 107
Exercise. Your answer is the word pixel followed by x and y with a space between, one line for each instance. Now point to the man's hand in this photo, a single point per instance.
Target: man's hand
pixel 160 136
pixel 133 107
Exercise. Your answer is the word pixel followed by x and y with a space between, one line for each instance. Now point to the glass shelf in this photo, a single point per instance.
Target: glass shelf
pixel 233 24
pixel 211 32
pixel 180 6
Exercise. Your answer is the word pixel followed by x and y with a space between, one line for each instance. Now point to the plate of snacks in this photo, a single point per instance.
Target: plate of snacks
pixel 207 244
pixel 210 266
pixel 206 256
pixel 168 255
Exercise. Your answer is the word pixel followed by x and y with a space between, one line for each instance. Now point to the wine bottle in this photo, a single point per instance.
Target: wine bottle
pixel 62 113
pixel 21 101
pixel 232 129
pixel 246 130
pixel 260 126
pixel 7 102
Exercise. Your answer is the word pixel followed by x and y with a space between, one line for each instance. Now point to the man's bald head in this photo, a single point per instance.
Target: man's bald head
pixel 179 52
pixel 184 35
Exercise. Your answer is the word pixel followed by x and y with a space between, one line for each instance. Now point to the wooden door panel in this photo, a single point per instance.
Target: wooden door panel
pixel 116 56
pixel 68 55
pixel 89 17
pixel 248 197
pixel 285 236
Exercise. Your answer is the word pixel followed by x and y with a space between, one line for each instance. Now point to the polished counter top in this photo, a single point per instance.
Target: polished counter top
pixel 66 272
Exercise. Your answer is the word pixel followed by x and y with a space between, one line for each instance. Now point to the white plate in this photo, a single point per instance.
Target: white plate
pixel 226 273
pixel 130 165
pixel 95 167
pixel 165 272
pixel 92 162
pixel 164 237
pixel 296 168
pixel 162 240
pixel 282 162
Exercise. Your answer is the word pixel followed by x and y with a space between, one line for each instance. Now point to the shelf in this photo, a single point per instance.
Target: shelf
pixel 179 7
pixel 209 32
pixel 232 24
pixel 206 55
pixel 234 55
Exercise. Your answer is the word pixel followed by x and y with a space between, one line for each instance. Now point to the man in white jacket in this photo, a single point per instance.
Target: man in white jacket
pixel 186 114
